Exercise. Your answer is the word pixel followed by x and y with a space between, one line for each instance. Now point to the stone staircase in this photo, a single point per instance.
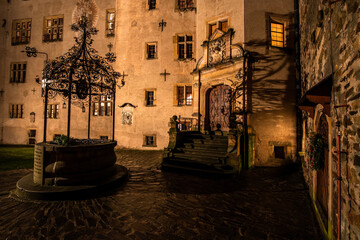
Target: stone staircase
pixel 200 153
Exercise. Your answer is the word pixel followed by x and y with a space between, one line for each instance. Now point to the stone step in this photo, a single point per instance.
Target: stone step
pixel 204 152
pixel 200 158
pixel 192 162
pixel 208 141
pixel 206 146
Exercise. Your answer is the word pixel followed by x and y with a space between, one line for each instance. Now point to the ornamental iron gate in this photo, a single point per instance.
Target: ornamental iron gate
pixel 219 106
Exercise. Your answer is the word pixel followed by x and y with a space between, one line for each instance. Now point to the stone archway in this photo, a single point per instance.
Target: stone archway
pixel 218 106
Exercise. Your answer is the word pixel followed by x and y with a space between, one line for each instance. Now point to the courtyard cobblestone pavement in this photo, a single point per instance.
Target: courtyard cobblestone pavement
pixel 262 203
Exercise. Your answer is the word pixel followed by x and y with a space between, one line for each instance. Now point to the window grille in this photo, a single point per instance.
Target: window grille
pixel 16 110
pixel 17 72
pixel 53 29
pixel 21 31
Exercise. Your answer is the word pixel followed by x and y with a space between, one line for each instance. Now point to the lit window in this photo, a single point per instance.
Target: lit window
pixel 53 111
pixel 53 29
pixel 151 51
pixel 185 47
pixel 21 31
pixel 17 72
pixel 152 4
pixel 110 23
pixel 103 107
pixel 149 141
pixel 277 34
pixel 16 110
pixel 184 95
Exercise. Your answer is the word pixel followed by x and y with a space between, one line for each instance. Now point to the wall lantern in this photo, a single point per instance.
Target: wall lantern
pixel 64 105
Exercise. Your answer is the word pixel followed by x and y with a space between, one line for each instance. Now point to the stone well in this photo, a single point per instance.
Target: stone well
pixel 84 168
pixel 84 163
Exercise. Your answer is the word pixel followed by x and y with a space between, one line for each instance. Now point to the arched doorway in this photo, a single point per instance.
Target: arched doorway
pixel 218 108
pixel 322 190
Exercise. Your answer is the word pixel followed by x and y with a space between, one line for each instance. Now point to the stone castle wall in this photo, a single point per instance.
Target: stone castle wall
pixel 330 44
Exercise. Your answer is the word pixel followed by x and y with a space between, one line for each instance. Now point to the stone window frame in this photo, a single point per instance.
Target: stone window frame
pixel 21 31
pixel 188 6
pixel 110 31
pixel 217 23
pixel 146 139
pixel 32 138
pixel 147 50
pixel 150 3
pixel 185 43
pixel 176 94
pixel 53 111
pixel 146 100
pixel 18 69
pixel 16 111
pixel 56 28
pixel 285 20
pixel 103 106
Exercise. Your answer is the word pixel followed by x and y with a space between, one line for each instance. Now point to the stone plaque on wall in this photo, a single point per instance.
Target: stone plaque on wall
pixel 39 151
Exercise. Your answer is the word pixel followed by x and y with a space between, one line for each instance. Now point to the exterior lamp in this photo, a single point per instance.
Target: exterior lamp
pixel 64 105
pixel 83 108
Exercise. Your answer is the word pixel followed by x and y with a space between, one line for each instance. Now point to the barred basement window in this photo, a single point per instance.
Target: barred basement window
pixel 16 110
pixel 18 72
pixel 53 111
pixel 110 23
pixel 151 51
pixel 152 4
pixel 184 95
pixel 53 29
pixel 149 141
pixel 21 31
pixel 277 34
pixel 279 152
pixel 103 107
pixel 185 47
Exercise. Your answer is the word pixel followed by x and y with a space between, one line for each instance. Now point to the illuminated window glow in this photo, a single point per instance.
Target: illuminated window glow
pixel 277 34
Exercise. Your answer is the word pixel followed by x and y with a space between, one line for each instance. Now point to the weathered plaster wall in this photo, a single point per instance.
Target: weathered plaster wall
pixel 136 25
pixel 331 45
pixel 272 97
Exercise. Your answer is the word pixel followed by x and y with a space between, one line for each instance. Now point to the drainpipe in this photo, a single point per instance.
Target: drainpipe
pixel 339 178
pixel 199 118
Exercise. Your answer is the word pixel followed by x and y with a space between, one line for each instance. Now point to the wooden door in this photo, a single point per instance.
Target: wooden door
pixel 322 191
pixel 219 108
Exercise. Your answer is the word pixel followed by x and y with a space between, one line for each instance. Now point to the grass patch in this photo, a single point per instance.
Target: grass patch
pixel 15 157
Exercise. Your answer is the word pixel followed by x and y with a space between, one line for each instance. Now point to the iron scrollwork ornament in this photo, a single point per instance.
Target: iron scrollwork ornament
pixel 81 69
